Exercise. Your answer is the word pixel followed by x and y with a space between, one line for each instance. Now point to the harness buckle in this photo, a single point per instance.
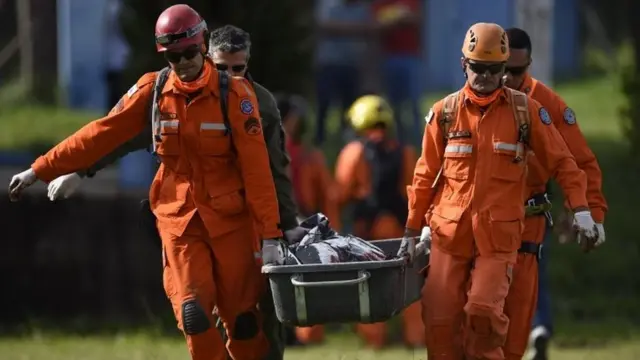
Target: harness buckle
pixel 540 252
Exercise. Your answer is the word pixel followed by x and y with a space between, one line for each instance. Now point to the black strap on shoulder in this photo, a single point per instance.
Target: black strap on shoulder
pixel 223 80
pixel 161 80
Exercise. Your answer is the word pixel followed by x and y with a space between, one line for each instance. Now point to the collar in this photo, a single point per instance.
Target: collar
pixel 501 97
pixel 211 88
pixel 527 84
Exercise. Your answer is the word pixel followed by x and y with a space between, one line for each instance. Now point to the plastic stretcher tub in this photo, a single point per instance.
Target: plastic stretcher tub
pixel 364 292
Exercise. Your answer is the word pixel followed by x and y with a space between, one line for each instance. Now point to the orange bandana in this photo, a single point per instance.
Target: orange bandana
pixel 199 83
pixel 481 101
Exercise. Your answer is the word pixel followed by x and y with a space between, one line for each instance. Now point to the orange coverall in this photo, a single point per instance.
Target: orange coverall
pixel 353 175
pixel 206 194
pixel 520 304
pixel 313 187
pixel 477 217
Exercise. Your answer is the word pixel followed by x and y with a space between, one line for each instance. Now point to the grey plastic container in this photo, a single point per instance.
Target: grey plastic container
pixel 364 292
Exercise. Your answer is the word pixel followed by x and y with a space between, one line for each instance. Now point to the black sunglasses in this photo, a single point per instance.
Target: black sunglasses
pixel 483 68
pixel 234 68
pixel 516 70
pixel 176 56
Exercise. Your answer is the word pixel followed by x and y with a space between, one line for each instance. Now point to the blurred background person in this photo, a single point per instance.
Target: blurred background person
pixel 313 185
pixel 400 24
pixel 117 52
pixel 372 173
pixel 342 28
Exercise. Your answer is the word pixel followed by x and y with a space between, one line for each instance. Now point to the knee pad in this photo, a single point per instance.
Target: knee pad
pixel 484 323
pixel 480 325
pixel 245 327
pixel 194 318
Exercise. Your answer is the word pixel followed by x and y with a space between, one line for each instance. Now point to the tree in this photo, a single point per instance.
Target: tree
pixel 280 34
pixel 631 83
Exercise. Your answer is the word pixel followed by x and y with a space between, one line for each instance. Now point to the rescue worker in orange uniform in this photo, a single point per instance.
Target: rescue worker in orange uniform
pixel 520 304
pixel 214 180
pixel 313 184
pixel 471 178
pixel 372 173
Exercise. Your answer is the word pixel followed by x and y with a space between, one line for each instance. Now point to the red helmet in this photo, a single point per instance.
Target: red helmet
pixel 178 27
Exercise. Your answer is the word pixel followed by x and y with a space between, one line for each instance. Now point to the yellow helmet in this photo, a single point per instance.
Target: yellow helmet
pixel 368 111
pixel 486 42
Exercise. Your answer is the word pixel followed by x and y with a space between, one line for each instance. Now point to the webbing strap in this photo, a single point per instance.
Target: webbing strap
pixel 223 83
pixel 449 110
pixel 156 128
pixel 520 108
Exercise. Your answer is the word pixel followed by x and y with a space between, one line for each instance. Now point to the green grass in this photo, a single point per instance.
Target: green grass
pixel 36 126
pixel 143 347
pixel 28 126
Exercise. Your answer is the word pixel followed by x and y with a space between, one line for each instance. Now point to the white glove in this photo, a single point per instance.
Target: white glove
pixel 63 186
pixel 601 237
pixel 273 252
pixel 19 182
pixel 426 234
pixel 586 227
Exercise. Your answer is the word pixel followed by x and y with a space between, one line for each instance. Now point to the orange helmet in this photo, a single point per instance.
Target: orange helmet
pixel 178 27
pixel 486 42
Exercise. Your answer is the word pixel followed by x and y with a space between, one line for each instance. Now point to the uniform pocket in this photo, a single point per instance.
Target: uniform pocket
pixel 506 229
pixel 229 204
pixel 503 166
pixel 457 161
pixel 444 223
pixel 214 139
pixel 169 143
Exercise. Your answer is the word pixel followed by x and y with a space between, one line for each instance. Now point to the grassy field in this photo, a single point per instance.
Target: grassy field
pixel 143 347
pixel 609 294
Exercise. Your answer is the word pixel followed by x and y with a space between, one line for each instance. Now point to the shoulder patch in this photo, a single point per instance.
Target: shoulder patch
pixel 544 116
pixel 569 116
pixel 429 116
pixel 252 126
pixel 132 90
pixel 246 107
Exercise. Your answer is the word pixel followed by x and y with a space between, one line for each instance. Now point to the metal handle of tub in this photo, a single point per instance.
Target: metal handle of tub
pixel 362 277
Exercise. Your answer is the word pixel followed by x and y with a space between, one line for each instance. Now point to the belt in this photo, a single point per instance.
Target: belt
pixel 539 204
pixel 528 247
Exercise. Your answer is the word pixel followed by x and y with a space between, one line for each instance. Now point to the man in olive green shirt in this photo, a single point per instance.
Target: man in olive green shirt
pixel 229 47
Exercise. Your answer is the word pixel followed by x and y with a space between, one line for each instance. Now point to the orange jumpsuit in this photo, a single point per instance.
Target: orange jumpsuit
pixel 206 194
pixel 353 174
pixel 520 304
pixel 477 217
pixel 313 188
